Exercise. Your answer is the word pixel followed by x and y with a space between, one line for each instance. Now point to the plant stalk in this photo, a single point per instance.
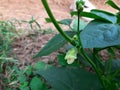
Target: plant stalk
pixel 46 6
pixel 81 50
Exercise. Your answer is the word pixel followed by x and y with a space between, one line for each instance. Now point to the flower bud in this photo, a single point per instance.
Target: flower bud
pixel 80 5
pixel 71 55
pixel 75 37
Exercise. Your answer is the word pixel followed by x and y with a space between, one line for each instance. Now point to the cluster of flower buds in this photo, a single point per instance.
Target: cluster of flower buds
pixel 80 5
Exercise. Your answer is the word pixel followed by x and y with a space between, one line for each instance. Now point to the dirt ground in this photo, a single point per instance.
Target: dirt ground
pixel 26 47
pixel 25 9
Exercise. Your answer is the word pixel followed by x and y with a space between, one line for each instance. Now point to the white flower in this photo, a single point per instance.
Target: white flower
pixel 71 55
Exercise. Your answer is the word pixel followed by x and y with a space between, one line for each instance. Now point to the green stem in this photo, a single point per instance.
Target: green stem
pixel 46 6
pixel 97 60
pixel 81 48
pixel 78 29
pixel 93 65
pixel 85 55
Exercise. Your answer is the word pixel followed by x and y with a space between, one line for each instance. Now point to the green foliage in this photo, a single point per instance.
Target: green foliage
pixel 7 34
pixel 107 16
pixel 113 68
pixel 61 60
pixel 11 77
pixel 82 25
pixel 112 4
pixel 28 81
pixel 87 72
pixel 70 78
pixel 41 66
pixel 37 84
pixel 54 44
pixel 105 34
pixel 66 21
pixel 99 15
pixel 101 33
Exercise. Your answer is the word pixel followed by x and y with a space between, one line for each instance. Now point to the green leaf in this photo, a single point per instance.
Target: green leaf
pixel 99 15
pixel 61 59
pixel 112 4
pixel 48 20
pixel 70 78
pixel 73 13
pixel 54 44
pixel 38 24
pixel 99 34
pixel 41 66
pixel 118 18
pixel 22 78
pixel 29 70
pixel 75 25
pixel 24 86
pixel 65 22
pixel 106 15
pixel 37 84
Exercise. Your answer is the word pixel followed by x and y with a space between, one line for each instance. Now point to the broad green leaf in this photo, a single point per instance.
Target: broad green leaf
pixel 54 44
pixel 99 34
pixel 37 84
pixel 70 78
pixel 112 4
pixel 106 15
pixel 41 66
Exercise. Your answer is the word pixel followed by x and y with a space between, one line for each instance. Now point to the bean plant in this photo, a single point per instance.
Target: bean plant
pixel 81 67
